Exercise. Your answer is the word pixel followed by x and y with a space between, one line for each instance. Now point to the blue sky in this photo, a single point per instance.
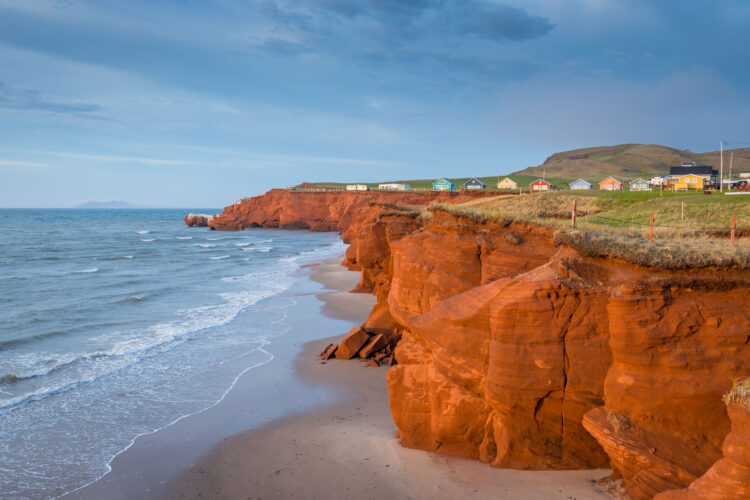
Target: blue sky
pixel 192 103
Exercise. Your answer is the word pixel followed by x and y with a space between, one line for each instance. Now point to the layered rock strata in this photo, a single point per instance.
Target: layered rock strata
pixel 526 355
pixel 729 477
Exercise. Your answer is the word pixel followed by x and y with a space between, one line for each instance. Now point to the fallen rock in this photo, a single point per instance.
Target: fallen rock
pixel 375 344
pixel 373 363
pixel 352 343
pixel 329 351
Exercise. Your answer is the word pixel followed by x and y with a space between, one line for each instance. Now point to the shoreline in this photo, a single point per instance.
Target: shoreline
pixel 263 394
pixel 346 448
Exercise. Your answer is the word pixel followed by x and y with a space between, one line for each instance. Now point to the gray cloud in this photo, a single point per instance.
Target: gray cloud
pixel 427 18
pixel 24 98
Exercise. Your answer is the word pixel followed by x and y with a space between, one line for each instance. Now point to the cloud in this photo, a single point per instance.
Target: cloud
pixel 691 108
pixel 24 98
pixel 14 163
pixel 428 18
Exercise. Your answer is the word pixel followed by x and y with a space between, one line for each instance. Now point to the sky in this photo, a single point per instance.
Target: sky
pixel 196 103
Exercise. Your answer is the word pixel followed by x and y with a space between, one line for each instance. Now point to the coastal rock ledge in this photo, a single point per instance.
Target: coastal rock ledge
pixel 518 351
pixel 198 220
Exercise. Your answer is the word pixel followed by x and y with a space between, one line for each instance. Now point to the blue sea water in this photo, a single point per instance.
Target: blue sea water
pixel 117 323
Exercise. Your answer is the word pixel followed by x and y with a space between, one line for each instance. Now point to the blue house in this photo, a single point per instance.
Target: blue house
pixel 443 184
pixel 474 183
pixel 581 184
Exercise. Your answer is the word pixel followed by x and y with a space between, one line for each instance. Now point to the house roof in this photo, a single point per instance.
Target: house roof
pixel 541 180
pixel 613 178
pixel 639 180
pixel 693 169
pixel 580 181
pixel 443 179
pixel 474 179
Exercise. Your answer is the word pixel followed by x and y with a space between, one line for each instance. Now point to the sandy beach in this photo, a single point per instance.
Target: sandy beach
pixel 347 449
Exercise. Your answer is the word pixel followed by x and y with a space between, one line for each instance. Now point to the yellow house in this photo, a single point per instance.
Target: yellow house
pixel 507 183
pixel 690 182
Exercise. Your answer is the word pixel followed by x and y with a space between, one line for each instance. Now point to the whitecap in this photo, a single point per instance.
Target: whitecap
pixel 143 232
pixel 258 249
pixel 184 237
pixel 220 257
pixel 206 245
pixel 148 239
pixel 244 244
pixel 86 271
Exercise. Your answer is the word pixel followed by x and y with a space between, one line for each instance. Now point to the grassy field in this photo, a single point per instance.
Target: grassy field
pixel 616 224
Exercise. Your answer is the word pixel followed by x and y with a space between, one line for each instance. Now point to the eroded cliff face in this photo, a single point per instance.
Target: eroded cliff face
pixel 729 477
pixel 323 211
pixel 526 355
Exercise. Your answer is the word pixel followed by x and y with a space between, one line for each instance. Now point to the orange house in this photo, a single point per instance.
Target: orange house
pixel 610 184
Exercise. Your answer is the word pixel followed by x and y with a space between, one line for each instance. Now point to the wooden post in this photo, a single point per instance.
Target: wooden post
pixel 651 229
pixel 683 210
pixel 734 226
pixel 574 213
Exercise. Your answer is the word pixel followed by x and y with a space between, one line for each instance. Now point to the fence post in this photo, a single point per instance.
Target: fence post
pixel 683 210
pixel 734 226
pixel 651 229
pixel 574 213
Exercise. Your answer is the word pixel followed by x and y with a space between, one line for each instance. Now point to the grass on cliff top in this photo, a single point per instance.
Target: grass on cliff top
pixel 617 224
pixel 678 213
pixel 739 394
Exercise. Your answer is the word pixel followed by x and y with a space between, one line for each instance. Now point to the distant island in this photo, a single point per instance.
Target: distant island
pixel 107 204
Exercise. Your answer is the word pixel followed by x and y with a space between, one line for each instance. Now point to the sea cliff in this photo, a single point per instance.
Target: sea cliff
pixel 517 351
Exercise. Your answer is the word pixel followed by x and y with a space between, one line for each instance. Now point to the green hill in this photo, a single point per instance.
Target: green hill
pixel 628 162
pixel 625 161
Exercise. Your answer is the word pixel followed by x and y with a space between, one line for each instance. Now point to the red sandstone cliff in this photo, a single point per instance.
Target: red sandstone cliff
pixel 526 355
pixel 729 477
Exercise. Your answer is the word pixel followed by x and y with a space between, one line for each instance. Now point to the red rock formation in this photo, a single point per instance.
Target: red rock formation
pixel 524 355
pixel 352 343
pixel 729 477
pixel 677 342
pixel 323 211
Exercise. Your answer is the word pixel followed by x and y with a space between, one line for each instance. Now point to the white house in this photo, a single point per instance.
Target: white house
pixel 357 187
pixel 395 186
pixel 658 180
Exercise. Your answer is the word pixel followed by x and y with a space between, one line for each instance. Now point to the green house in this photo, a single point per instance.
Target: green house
pixel 443 184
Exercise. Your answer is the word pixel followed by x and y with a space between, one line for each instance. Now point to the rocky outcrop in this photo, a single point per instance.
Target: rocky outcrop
pixel 198 220
pixel 729 477
pixel 523 354
pixel 318 211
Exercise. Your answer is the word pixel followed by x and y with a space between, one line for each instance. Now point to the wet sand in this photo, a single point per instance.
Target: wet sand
pixel 346 449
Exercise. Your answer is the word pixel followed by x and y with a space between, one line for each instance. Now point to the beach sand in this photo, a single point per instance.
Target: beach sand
pixel 347 449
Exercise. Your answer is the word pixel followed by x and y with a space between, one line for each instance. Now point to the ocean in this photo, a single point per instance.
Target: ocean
pixel 117 323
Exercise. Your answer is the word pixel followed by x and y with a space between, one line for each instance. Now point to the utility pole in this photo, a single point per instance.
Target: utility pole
pixel 721 174
pixel 731 161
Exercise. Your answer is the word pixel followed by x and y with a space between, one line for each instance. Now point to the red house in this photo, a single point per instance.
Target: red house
pixel 540 185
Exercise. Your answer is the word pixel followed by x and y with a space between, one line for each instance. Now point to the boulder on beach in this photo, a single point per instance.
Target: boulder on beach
pixel 352 343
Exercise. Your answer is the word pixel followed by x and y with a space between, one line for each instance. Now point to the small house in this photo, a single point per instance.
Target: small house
pixel 443 184
pixel 581 184
pixel 540 185
pixel 640 185
pixel 394 186
pixel 508 183
pixel 474 184
pixel 610 184
pixel 690 182
pixel 357 187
